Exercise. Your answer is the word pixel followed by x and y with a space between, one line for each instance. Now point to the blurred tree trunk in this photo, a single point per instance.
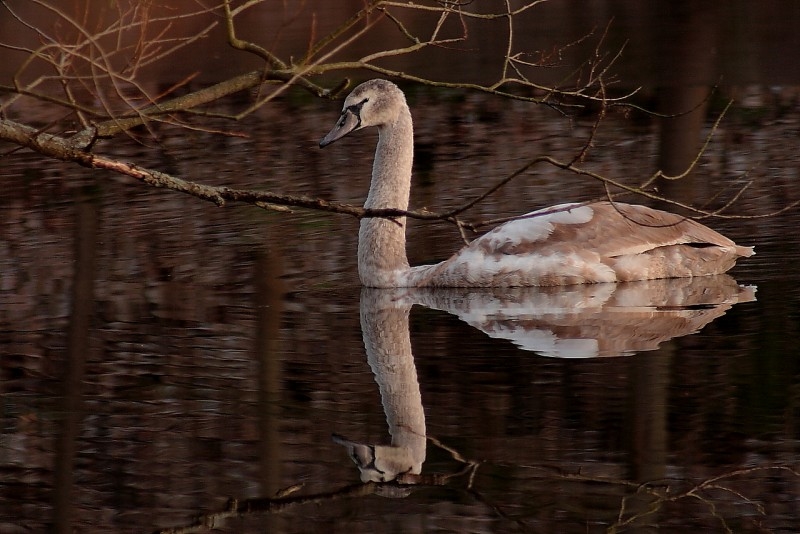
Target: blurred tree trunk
pixel 688 54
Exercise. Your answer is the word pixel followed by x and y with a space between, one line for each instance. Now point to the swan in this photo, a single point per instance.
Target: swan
pixel 567 244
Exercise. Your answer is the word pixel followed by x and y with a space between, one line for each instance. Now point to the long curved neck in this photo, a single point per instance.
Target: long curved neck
pixel 381 242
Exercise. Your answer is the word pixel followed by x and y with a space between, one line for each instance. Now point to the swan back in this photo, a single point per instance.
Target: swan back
pixel 579 244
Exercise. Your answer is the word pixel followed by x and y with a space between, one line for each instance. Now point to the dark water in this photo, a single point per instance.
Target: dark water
pixel 170 364
pixel 162 355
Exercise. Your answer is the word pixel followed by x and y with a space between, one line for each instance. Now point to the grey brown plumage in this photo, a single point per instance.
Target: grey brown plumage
pixel 567 244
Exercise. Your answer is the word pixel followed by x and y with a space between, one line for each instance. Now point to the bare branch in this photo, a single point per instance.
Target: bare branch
pixel 272 60
pixel 128 105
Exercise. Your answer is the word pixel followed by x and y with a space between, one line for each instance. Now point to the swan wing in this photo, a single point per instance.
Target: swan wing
pixel 610 230
pixel 577 244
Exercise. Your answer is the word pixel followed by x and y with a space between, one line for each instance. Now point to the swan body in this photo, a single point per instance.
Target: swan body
pixel 561 245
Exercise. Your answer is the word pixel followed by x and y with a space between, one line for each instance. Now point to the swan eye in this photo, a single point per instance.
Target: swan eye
pixel 355 109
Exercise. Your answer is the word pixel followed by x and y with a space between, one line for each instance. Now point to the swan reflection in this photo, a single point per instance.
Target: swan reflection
pixel 384 325
pixel 575 321
pixel 584 321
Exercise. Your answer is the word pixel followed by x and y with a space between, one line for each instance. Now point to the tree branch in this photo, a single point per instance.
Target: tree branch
pixel 107 120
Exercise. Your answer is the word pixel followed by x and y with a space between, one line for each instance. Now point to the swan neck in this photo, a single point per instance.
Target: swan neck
pixel 382 260
pixel 391 169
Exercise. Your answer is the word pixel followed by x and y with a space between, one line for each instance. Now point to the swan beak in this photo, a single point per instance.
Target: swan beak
pixel 348 122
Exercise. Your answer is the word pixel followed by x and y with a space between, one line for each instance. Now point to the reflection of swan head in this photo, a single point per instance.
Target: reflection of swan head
pixel 380 463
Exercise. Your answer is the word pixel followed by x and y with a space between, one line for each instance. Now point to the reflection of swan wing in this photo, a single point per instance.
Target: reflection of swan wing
pixel 384 324
pixel 592 320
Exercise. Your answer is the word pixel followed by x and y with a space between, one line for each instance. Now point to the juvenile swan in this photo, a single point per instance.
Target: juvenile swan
pixel 570 244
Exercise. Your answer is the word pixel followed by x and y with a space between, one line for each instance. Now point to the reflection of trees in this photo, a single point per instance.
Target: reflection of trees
pixel 78 350
pixel 581 492
pixel 687 60
pixel 269 293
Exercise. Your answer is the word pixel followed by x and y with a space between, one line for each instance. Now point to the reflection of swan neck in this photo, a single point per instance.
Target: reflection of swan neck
pixel 384 324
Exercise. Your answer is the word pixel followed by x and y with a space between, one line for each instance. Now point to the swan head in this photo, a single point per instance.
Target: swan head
pixel 372 103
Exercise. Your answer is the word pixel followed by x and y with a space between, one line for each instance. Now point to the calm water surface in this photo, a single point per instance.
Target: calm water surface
pixel 162 357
